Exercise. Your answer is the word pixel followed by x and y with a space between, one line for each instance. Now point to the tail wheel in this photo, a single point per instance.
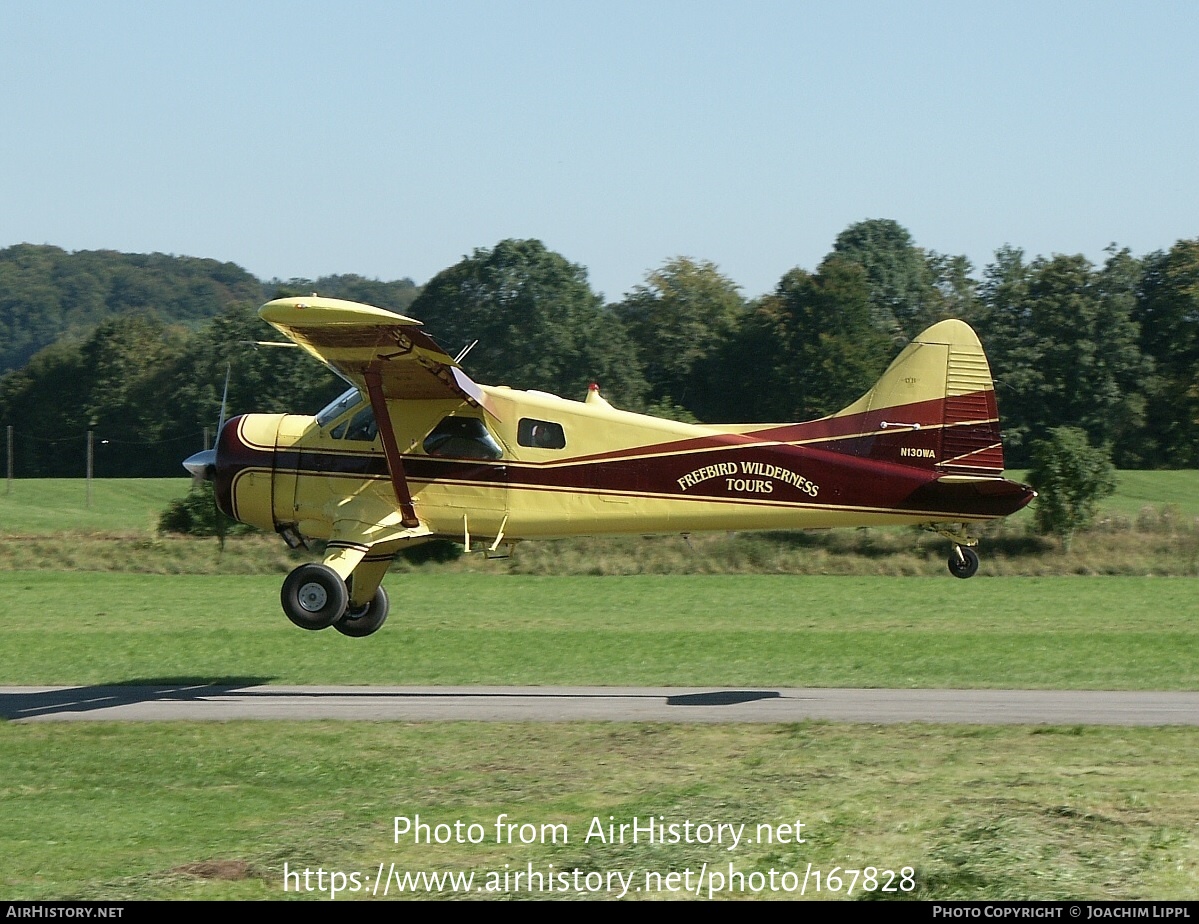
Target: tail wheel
pixel 314 596
pixel 366 620
pixel 963 562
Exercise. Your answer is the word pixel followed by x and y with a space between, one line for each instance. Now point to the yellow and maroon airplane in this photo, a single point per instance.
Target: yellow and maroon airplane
pixel 416 450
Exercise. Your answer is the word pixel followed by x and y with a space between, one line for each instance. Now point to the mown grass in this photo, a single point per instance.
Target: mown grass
pixel 1137 489
pixel 728 630
pixel 177 810
pixel 46 506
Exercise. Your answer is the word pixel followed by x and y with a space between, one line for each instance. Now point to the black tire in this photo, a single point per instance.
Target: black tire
pixel 367 620
pixel 314 596
pixel 963 562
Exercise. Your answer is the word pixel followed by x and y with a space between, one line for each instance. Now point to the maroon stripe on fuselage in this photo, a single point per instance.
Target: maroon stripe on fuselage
pixel 930 413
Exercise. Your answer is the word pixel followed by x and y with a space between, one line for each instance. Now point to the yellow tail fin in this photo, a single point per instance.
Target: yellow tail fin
pixel 934 407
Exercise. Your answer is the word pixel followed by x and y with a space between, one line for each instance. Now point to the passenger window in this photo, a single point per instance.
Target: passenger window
pixel 462 438
pixel 540 434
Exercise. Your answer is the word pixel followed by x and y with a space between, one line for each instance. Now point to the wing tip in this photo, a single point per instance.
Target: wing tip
pixel 318 309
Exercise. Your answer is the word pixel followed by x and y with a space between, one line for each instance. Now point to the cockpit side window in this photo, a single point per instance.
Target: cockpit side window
pixel 360 427
pixel 462 438
pixel 540 434
pixel 338 406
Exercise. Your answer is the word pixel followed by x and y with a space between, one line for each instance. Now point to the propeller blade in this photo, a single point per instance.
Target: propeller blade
pixel 202 465
pixel 220 424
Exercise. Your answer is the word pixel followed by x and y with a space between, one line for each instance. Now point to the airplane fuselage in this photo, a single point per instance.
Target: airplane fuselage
pixel 614 473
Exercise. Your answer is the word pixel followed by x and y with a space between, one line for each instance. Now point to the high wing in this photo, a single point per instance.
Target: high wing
pixel 386 355
pixel 360 342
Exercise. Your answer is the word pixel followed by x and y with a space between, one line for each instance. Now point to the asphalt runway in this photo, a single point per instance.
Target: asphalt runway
pixel 228 701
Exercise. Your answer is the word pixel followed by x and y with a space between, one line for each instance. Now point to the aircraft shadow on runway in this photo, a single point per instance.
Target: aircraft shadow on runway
pixel 30 705
pixel 139 690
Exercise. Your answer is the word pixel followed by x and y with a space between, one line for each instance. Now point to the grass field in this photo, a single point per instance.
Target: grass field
pixel 1137 490
pixel 199 810
pixel 177 810
pixel 44 506
pixel 1110 633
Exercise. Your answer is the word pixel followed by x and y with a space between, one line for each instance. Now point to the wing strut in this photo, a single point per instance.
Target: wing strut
pixel 395 465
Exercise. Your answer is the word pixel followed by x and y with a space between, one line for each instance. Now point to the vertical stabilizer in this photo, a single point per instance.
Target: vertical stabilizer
pixel 933 408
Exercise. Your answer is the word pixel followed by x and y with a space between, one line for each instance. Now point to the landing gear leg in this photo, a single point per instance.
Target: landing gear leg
pixel 963 562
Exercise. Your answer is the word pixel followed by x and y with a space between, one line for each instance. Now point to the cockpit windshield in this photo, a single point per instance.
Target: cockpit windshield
pixel 338 406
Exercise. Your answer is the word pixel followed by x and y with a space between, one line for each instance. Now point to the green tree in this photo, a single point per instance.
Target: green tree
pixel 396 295
pixel 537 321
pixel 903 280
pixel 957 289
pixel 1071 477
pixel 46 292
pixel 1064 348
pixel 133 416
pixel 99 384
pixel 1167 310
pixel 263 379
pixel 1003 325
pixel 47 413
pixel 685 312
pixel 808 349
pixel 148 390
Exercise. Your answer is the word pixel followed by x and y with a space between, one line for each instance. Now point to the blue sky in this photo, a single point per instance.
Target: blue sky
pixel 390 139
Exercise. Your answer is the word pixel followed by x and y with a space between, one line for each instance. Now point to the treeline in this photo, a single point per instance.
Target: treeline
pixel 138 345
pixel 47 293
pixel 1112 349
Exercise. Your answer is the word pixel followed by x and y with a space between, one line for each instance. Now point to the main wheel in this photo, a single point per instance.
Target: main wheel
pixel 963 562
pixel 365 620
pixel 314 596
